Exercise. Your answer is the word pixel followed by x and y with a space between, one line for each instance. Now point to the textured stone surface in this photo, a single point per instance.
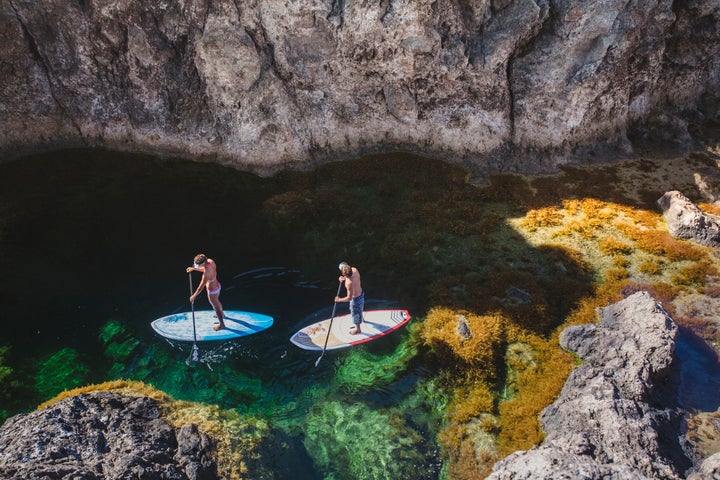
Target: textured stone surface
pixel 710 469
pixel 617 416
pixel 685 220
pixel 707 181
pixel 103 436
pixel 499 85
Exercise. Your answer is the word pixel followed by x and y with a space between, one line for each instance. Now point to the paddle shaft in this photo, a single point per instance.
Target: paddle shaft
pixel 192 308
pixel 332 317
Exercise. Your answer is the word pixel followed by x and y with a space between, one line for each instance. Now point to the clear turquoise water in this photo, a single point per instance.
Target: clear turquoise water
pixel 94 247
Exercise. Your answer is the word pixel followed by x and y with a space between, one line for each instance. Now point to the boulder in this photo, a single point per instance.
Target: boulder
pixel 103 436
pixel 617 416
pixel 686 221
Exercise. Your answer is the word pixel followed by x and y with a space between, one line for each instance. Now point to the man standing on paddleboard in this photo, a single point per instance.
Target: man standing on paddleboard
pixel 355 295
pixel 209 280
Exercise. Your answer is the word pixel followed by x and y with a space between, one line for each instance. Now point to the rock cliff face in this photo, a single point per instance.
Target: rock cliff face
pixel 496 84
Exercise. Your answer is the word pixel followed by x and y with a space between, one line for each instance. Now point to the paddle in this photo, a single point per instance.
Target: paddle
pixel 194 353
pixel 317 362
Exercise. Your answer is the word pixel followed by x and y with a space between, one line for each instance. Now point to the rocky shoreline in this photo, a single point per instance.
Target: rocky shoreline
pixel 618 416
pixel 103 435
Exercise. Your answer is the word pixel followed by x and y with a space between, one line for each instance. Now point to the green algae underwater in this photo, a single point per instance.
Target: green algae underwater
pixel 95 244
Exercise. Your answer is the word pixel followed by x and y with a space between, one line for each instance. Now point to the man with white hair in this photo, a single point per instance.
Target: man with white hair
pixel 355 295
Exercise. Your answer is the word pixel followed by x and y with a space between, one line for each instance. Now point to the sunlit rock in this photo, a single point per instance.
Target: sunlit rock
pixel 685 220
pixel 522 85
pixel 616 416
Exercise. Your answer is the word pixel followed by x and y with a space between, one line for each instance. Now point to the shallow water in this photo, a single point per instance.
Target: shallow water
pixel 94 248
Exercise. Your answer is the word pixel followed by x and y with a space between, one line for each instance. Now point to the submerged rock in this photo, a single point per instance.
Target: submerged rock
pixel 617 416
pixel 105 436
pixel 685 220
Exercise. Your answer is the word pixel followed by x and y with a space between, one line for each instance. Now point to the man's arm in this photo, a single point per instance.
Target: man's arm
pixel 347 289
pixel 202 283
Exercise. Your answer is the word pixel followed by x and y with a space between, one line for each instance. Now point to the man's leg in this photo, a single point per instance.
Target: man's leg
pixel 356 316
pixel 215 302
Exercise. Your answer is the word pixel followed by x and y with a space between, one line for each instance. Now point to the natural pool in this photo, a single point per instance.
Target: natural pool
pixel 94 247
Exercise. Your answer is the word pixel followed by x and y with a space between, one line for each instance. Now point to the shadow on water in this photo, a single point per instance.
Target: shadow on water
pixel 95 244
pixel 699 373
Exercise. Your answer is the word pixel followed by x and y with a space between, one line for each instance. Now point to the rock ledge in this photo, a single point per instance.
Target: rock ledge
pixel 617 416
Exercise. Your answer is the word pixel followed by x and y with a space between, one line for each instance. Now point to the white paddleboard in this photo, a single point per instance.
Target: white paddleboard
pixel 376 324
pixel 237 324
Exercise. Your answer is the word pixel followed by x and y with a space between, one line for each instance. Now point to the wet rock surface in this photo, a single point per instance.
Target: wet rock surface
pixel 523 85
pixel 617 415
pixel 103 436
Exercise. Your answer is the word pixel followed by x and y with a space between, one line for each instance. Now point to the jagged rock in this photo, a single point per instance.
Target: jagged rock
pixel 685 220
pixel 616 416
pixel 499 85
pixel 463 329
pixel 103 436
pixel 710 469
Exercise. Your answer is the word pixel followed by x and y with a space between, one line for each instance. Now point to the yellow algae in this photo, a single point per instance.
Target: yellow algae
pixel 616 238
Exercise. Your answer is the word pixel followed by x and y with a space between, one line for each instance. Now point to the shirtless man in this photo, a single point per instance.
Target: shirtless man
pixel 355 295
pixel 209 280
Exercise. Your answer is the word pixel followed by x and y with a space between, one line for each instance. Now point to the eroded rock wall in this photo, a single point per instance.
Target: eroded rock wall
pixel 497 84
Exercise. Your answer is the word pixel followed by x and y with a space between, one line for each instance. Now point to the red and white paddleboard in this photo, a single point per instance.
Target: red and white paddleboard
pixel 377 323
